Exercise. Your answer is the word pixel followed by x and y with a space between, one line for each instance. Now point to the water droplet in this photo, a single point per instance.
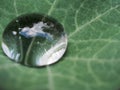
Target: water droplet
pixel 17 20
pixel 14 32
pixel 34 40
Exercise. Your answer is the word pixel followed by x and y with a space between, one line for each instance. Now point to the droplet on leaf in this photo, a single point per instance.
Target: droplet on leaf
pixel 34 40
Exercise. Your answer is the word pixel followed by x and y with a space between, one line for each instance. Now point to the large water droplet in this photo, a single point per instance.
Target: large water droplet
pixel 34 40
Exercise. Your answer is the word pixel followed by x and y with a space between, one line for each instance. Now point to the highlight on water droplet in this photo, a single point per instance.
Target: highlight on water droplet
pixel 34 40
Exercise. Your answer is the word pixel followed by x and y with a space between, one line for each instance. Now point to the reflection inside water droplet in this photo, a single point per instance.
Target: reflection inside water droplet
pixel 34 41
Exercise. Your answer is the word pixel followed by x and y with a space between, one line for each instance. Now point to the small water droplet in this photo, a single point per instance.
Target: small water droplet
pixel 14 32
pixel 17 20
pixel 33 41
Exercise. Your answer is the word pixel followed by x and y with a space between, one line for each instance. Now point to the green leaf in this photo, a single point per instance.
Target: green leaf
pixel 92 61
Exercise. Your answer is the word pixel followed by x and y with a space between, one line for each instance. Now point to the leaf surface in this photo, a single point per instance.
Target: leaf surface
pixel 92 60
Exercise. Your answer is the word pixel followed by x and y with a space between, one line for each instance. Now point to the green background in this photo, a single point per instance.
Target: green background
pixel 92 60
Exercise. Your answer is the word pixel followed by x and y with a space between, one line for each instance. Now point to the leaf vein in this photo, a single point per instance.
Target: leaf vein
pixel 92 20
pixel 50 79
pixel 52 7
pixel 15 7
